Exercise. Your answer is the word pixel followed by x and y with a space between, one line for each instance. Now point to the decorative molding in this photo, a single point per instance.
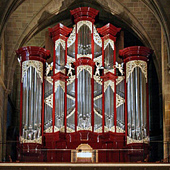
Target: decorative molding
pixel 99 130
pixel 62 129
pixel 98 114
pixel 84 55
pixel 71 39
pixel 107 84
pixel 60 41
pixel 35 64
pixel 70 80
pixel 88 128
pixel 119 79
pixel 38 140
pixel 98 60
pixel 84 67
pixel 119 100
pixel 119 130
pixel 81 23
pixel 72 112
pixel 49 100
pixel 106 129
pixel 70 60
pixel 49 79
pixel 112 129
pixel 131 65
pixel 61 84
pixel 50 129
pixel 107 42
pixel 98 97
pixel 97 79
pixel 130 140
pixel 96 37
pixel 69 130
pixel 56 129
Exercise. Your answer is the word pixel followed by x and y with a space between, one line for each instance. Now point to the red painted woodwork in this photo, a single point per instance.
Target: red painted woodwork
pixel 84 61
pixel 33 53
pixel 108 30
pixel 126 115
pixel 131 54
pixel 109 76
pixel 59 76
pixel 135 53
pixel 84 13
pixel 103 106
pixel 59 31
pixel 31 151
pixel 57 146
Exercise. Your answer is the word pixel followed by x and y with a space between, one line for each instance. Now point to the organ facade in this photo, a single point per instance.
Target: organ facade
pixel 84 105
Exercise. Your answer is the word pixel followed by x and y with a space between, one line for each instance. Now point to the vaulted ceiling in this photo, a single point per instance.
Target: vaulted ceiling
pixel 24 22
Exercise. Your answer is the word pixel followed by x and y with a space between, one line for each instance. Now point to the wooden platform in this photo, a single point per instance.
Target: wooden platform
pixel 89 166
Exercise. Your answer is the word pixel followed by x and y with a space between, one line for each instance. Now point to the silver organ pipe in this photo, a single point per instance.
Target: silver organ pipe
pixel 135 59
pixel 32 82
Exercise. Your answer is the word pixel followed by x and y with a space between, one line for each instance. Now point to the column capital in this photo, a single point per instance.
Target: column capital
pixel 59 31
pixel 33 53
pixel 108 30
pixel 135 53
pixel 84 13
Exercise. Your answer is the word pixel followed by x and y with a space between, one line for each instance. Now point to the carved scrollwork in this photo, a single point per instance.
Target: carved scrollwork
pixel 81 23
pixel 98 59
pixel 38 140
pixel 99 130
pixel 35 64
pixel 61 84
pixel 49 100
pixel 96 37
pixel 50 129
pixel 70 80
pixel 133 64
pixel 119 130
pixel 72 37
pixel 119 100
pixel 70 60
pixel 62 129
pixel 130 140
pixel 119 79
pixel 69 130
pixel 107 42
pixel 107 84
pixel 49 79
pixel 97 79
pixel 112 129
pixel 88 128
pixel 106 129
pixel 60 41
pixel 84 67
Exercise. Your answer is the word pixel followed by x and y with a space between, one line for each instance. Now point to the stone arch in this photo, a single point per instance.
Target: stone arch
pixel 49 10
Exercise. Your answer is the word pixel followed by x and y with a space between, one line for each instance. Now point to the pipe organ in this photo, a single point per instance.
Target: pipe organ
pixel 84 96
